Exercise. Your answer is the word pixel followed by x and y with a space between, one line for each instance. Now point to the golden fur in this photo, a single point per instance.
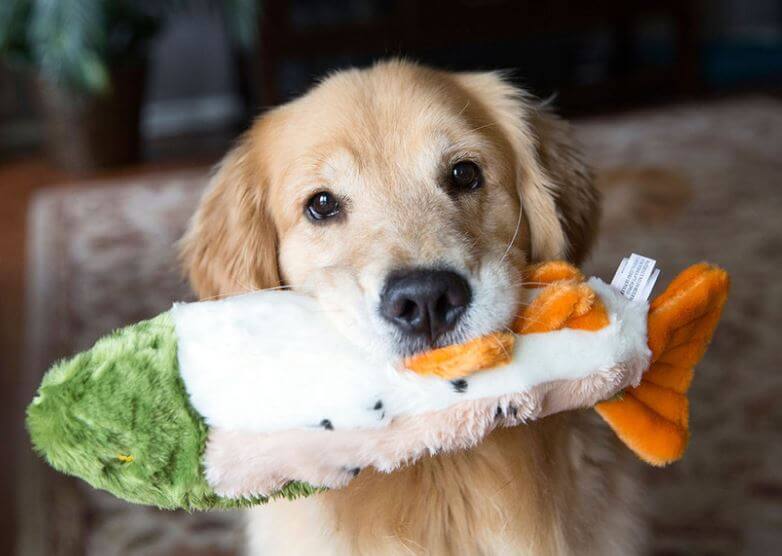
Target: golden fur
pixel 379 138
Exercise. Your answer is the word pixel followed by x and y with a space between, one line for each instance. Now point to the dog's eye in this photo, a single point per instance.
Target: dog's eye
pixel 322 205
pixel 466 176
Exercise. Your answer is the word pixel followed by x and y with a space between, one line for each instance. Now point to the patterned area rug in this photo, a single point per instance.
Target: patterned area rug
pixel 681 184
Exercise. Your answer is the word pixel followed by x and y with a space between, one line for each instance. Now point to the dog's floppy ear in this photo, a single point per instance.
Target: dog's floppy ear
pixel 230 246
pixel 567 180
pixel 558 197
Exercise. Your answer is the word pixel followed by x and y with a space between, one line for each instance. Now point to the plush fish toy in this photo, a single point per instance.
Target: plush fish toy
pixel 236 401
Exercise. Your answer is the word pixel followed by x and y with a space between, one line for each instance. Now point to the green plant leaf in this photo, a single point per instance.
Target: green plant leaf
pixel 67 37
pixel 94 73
pixel 14 21
pixel 77 43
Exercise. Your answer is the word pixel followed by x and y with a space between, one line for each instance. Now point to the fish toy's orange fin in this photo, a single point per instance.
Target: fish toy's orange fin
pixel 543 274
pixel 460 360
pixel 566 301
pixel 554 307
pixel 652 418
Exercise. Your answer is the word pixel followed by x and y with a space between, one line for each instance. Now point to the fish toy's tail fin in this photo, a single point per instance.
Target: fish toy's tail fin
pixel 653 418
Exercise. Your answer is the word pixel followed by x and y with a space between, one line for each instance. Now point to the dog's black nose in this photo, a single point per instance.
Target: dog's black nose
pixel 423 302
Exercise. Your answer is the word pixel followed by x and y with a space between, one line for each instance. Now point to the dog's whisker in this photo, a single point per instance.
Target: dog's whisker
pixel 499 344
pixel 484 126
pixel 466 105
pixel 513 239
pixel 243 291
pixel 512 285
pixel 275 288
pixel 213 297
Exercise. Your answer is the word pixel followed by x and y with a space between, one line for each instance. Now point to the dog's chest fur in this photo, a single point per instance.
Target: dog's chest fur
pixel 558 486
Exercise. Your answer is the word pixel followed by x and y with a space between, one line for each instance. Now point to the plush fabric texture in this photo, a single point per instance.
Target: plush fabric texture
pixel 248 365
pixel 653 417
pixel 556 306
pixel 244 463
pixel 461 360
pixel 118 417
pixel 582 309
pixel 134 414
pixel 565 302
pixel 240 464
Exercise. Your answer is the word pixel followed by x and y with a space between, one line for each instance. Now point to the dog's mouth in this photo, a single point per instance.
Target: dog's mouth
pixel 483 303
pixel 470 328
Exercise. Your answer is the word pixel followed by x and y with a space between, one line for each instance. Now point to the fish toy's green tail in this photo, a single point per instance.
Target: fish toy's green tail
pixel 118 416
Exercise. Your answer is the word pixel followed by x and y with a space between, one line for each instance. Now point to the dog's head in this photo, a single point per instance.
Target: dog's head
pixel 406 200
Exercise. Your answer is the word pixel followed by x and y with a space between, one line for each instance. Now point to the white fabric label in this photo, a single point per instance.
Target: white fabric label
pixel 636 277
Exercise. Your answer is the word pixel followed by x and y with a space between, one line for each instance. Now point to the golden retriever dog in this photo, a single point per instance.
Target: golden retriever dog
pixel 407 201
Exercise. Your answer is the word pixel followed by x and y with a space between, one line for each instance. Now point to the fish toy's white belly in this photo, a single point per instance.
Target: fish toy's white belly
pixel 270 361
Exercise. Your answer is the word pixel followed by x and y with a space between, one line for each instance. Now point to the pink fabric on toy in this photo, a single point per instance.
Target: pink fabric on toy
pixel 241 464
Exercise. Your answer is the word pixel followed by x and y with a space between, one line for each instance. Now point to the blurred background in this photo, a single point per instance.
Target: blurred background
pixel 112 112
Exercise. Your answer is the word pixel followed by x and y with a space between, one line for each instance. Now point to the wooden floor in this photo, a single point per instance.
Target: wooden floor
pixel 20 179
